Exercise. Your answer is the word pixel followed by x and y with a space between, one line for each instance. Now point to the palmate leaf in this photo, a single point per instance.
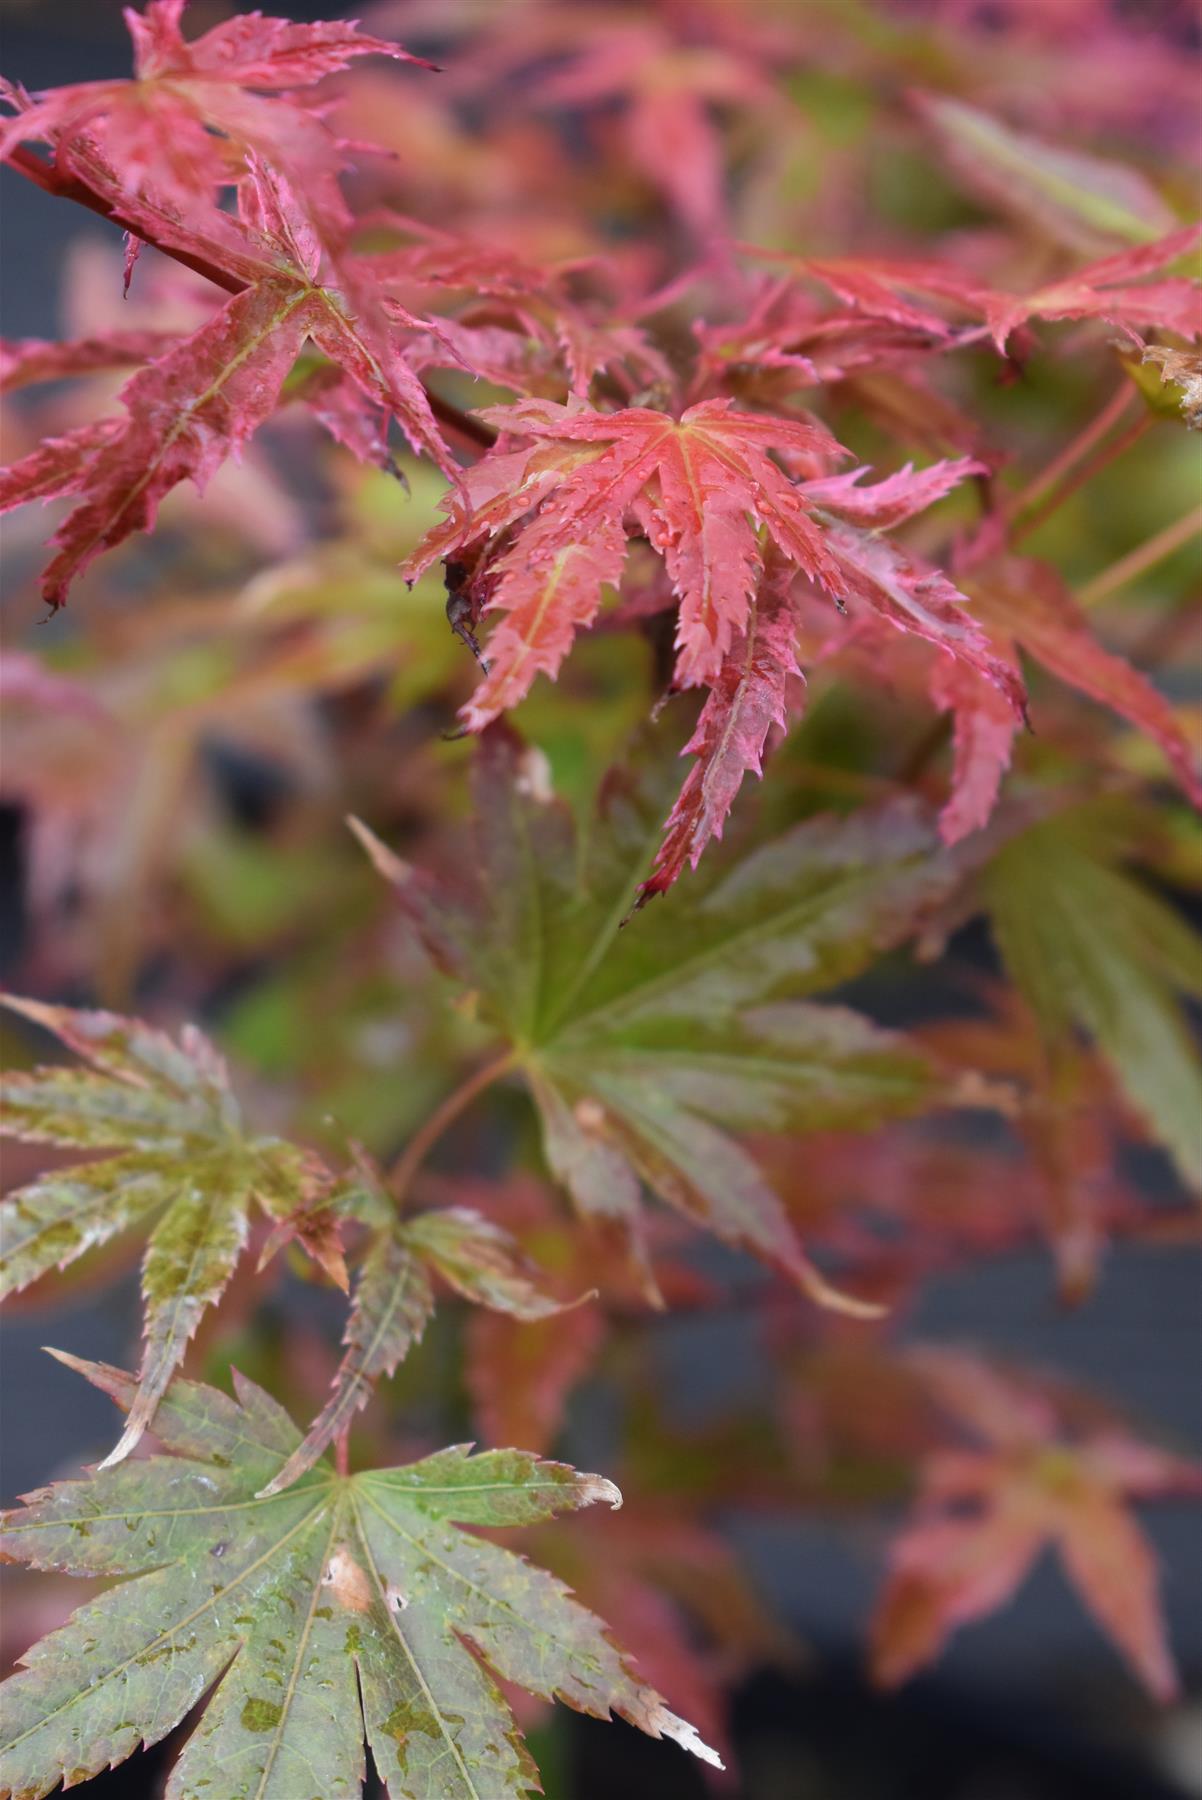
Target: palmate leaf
pixel 1092 949
pixel 644 1048
pixel 548 527
pixel 534 535
pixel 348 1607
pixel 166 1112
pixel 984 1516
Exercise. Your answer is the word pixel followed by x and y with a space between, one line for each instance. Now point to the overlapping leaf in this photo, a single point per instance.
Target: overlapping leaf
pixel 165 1111
pixel 394 1297
pixel 645 1048
pixel 512 321
pixel 344 1609
pixel 984 1516
pixel 209 392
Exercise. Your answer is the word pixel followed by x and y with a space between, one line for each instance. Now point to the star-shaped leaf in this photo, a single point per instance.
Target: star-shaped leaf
pixel 645 1048
pixel 986 1514
pixel 347 1607
pixel 167 1113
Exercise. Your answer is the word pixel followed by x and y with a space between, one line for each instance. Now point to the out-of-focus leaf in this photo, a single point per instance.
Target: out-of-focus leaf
pixel 984 1516
pixel 1092 949
pixel 1078 200
pixel 521 1375
pixel 1114 289
pixel 349 1607
pixel 198 110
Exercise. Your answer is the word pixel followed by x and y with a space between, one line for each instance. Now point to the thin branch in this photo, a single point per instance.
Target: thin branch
pixel 1080 446
pixel 1145 556
pixel 423 1140
pixel 464 424
pixel 1084 472
pixel 68 187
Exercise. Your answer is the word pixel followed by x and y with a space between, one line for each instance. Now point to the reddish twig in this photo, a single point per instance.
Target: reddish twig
pixel 427 1135
pixel 1079 476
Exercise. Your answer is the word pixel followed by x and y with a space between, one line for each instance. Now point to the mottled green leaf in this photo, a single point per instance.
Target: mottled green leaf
pixel 642 1041
pixel 168 1112
pixel 394 1299
pixel 345 1608
pixel 1092 949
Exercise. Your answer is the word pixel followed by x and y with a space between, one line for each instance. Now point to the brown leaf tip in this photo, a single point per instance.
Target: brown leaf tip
pixel 592 1488
pixel 662 1723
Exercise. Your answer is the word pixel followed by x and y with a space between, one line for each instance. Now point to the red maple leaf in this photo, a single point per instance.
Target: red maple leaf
pixel 543 529
pixel 195 111
pixel 211 391
pixel 1025 602
pixel 698 488
pixel 1113 289
pixel 985 1515
pixel 695 487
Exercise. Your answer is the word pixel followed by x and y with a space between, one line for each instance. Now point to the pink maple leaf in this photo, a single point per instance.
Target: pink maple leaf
pixel 985 1515
pixel 195 110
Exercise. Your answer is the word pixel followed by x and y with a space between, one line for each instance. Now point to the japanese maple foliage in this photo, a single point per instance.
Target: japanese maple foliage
pixel 546 417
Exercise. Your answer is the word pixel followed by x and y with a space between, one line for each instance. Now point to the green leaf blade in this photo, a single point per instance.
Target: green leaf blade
pixel 58 1218
pixel 293 1606
pixel 392 1305
pixel 1093 950
pixel 166 1110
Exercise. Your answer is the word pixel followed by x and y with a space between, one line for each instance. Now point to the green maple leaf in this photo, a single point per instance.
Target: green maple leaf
pixel 1094 950
pixel 646 1047
pixel 166 1111
pixel 394 1295
pixel 347 1607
